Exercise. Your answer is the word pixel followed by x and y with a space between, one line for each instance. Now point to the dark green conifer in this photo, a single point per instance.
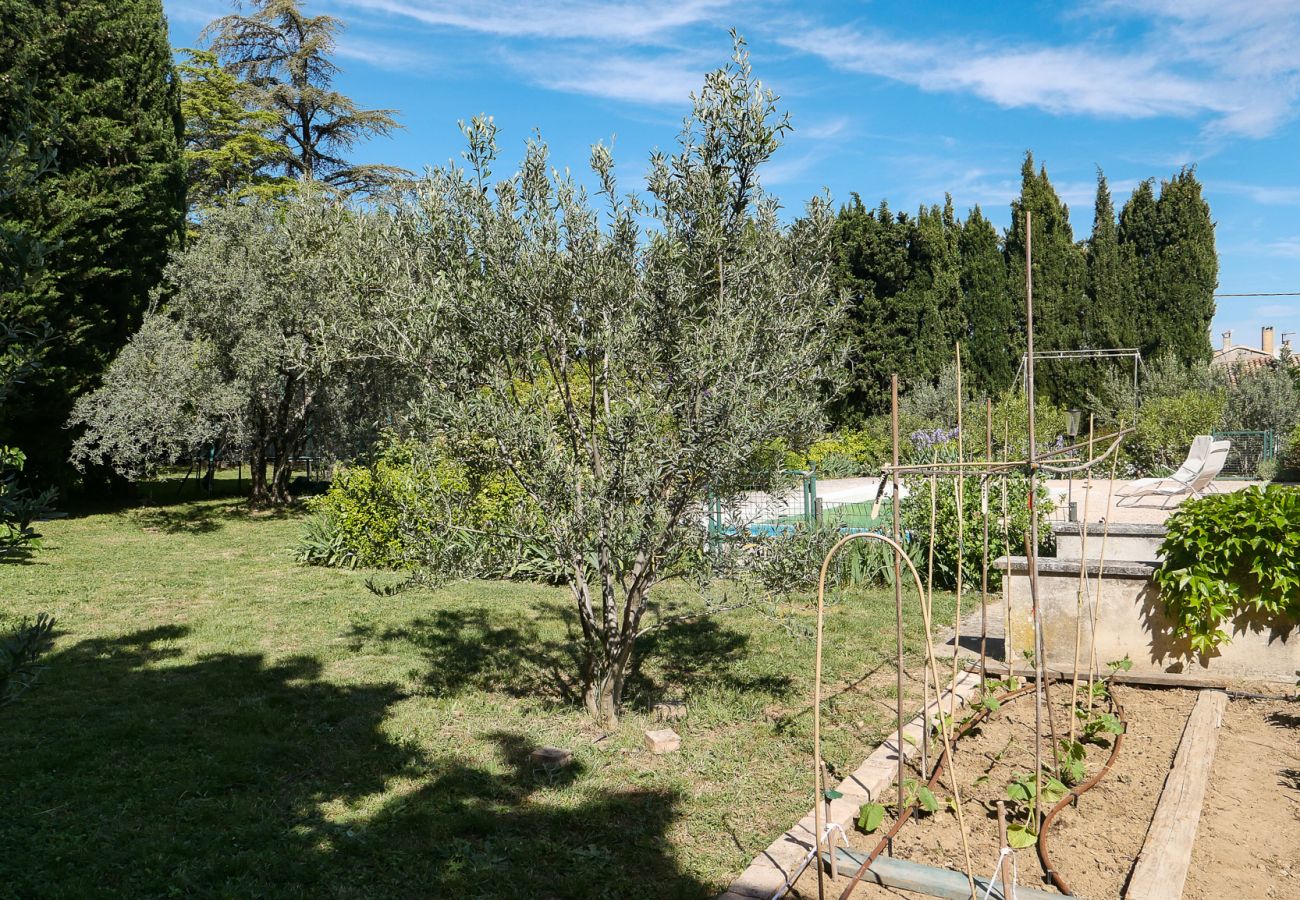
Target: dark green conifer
pixel 109 207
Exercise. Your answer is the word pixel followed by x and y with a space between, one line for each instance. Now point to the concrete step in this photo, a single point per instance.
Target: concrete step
pixel 1123 540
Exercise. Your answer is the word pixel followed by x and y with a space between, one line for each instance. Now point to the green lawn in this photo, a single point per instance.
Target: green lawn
pixel 216 720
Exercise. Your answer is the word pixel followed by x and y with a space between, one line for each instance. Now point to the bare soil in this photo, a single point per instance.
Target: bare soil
pixel 1248 840
pixel 1093 845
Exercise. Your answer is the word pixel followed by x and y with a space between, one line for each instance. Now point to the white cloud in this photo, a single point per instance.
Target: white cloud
pixel 650 79
pixel 382 55
pixel 1263 194
pixel 584 19
pixel 1197 59
pixel 1289 247
pixel 822 131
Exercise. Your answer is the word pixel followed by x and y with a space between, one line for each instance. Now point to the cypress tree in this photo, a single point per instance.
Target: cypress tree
pixel 872 268
pixel 1111 286
pixel 1139 236
pixel 112 203
pixel 903 279
pixel 1059 281
pixel 995 346
pixel 1170 242
pixel 1187 269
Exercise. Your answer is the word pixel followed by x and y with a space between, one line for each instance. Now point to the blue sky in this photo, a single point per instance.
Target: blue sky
pixel 901 101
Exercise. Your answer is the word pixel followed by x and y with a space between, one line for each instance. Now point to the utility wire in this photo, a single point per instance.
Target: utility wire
pixel 1274 294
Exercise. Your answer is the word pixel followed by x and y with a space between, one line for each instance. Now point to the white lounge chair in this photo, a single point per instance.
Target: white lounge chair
pixel 1205 460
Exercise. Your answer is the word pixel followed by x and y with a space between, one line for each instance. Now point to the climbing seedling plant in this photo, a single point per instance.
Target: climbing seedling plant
pixel 1024 792
pixel 872 814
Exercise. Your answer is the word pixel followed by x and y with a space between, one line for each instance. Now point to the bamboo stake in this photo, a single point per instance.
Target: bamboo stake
pixel 984 567
pixel 898 570
pixel 1083 570
pixel 959 490
pixel 1006 544
pixel 945 725
pixel 929 599
pixel 1101 570
pixel 1031 551
pixel 1008 889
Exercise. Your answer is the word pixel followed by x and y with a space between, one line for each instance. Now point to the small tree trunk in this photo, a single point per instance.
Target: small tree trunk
pixel 258 495
pixel 602 693
pixel 280 478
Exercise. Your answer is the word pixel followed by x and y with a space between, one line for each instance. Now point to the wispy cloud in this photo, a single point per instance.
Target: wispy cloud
pixel 655 79
pixel 1061 80
pixel 382 55
pixel 824 130
pixel 585 19
pixel 1201 60
pixel 1263 194
pixel 1289 247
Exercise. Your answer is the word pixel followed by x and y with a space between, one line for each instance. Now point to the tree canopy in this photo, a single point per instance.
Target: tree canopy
pixel 229 153
pixel 620 372
pixel 283 58
pixel 98 81
pixel 1144 281
pixel 259 353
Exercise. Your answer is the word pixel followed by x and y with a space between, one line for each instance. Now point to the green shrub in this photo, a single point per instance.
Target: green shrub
pixel 1262 399
pixel 916 522
pixel 1166 427
pixel 1267 469
pixel 1011 428
pixel 416 507
pixel 1231 553
pixel 849 452
pixel 1288 458
pixel 791 562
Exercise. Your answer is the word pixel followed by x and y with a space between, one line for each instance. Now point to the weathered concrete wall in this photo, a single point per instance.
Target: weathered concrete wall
pixel 1124 541
pixel 1131 621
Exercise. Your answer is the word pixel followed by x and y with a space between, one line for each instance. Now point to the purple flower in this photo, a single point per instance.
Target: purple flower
pixel 927 440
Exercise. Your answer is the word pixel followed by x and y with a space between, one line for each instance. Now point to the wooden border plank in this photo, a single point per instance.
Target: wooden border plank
pixel 1166 853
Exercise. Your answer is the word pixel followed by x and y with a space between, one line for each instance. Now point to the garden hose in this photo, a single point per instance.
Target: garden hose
pixel 934 780
pixel 1073 796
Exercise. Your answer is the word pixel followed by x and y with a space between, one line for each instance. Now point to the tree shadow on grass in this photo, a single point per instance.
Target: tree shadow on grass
pixel 539 656
pixel 135 771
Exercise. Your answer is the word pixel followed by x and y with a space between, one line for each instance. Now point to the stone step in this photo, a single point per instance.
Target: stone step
pixel 1123 540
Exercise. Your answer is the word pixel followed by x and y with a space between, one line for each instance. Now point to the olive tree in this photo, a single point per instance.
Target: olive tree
pixel 259 348
pixel 627 358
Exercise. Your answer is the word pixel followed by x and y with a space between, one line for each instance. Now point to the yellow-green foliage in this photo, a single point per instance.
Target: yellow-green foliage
pixel 1288 457
pixel 385 513
pixel 851 451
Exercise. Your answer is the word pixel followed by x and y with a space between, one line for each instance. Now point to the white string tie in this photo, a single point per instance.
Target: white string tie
pixel 997 872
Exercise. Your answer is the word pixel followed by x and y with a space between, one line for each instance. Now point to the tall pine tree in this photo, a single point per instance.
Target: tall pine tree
pixel 284 55
pixel 109 208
